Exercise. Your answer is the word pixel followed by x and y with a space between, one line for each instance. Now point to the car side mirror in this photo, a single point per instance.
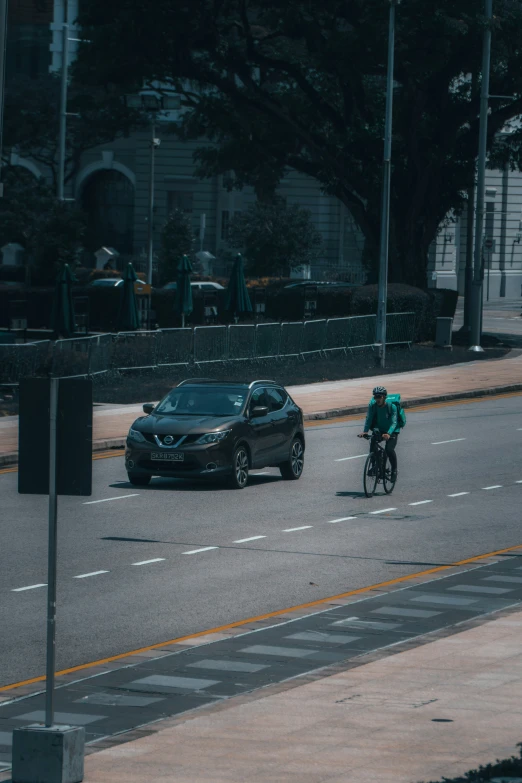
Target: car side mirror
pixel 148 407
pixel 259 411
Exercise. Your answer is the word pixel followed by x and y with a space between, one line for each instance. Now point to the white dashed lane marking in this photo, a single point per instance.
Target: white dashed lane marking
pixel 244 540
pixel 93 573
pixel 440 442
pixel 106 500
pixel 201 549
pixel 382 510
pixel 341 519
pixel 29 587
pixel 256 538
pixel 146 562
pixel 357 456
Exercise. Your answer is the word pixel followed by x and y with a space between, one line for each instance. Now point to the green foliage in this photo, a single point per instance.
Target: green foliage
pixel 275 237
pixel 50 231
pixel 177 240
pixel 278 84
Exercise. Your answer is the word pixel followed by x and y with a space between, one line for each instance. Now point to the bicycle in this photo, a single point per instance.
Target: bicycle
pixel 377 468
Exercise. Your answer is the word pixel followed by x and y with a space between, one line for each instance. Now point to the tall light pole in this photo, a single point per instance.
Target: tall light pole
pixel 478 257
pixel 3 47
pixel 154 143
pixel 385 213
pixel 152 104
pixel 62 134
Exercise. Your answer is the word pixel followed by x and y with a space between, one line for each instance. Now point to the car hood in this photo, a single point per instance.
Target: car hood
pixel 182 425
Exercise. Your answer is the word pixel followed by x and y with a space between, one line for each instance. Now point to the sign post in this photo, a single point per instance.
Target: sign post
pixel 52 558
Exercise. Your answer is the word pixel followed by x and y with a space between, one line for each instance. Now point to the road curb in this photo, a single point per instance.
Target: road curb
pixel 108 444
pixel 416 401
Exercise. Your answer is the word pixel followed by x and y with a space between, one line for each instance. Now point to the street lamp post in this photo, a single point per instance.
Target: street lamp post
pixel 3 46
pixel 154 143
pixel 478 256
pixel 62 134
pixel 152 104
pixel 385 214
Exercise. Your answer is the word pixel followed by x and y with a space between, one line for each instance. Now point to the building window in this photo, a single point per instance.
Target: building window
pixel 180 199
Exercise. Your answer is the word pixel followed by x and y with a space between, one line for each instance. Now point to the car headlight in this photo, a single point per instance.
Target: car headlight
pixel 213 437
pixel 136 435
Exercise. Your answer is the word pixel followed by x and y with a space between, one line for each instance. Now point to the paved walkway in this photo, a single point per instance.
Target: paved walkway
pixel 111 423
pixel 437 710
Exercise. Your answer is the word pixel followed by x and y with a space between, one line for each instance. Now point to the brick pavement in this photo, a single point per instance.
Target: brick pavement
pixel 437 710
pixel 111 423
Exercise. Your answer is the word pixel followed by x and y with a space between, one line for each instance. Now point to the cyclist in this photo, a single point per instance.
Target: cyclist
pixel 382 416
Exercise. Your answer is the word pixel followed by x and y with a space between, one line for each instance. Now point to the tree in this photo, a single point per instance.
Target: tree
pixel 274 84
pixel 50 231
pixel 31 127
pixel 177 240
pixel 274 237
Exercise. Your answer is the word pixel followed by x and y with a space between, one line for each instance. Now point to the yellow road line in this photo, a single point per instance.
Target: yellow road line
pixel 268 615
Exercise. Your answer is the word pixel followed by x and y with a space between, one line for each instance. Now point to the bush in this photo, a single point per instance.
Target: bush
pixel 401 299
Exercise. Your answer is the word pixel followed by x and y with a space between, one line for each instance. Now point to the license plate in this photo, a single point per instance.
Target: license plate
pixel 176 456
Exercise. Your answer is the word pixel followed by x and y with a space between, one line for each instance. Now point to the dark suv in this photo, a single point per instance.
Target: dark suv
pixel 205 428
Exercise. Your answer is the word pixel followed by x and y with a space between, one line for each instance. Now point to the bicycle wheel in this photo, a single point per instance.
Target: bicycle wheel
pixel 371 466
pixel 387 482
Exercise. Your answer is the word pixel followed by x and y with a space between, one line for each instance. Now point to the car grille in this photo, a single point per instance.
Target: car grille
pixel 151 439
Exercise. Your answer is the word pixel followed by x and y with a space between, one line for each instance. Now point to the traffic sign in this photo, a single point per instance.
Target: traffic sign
pixel 488 243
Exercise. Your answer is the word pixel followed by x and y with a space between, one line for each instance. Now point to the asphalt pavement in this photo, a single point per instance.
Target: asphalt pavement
pixel 139 566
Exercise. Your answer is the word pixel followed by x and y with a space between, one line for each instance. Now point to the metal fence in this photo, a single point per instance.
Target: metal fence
pixel 88 356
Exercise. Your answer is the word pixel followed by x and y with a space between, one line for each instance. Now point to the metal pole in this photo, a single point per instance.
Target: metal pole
pixel 478 272
pixel 3 46
pixel 468 275
pixel 489 269
pixel 150 238
pixel 63 112
pixel 385 215
pixel 52 558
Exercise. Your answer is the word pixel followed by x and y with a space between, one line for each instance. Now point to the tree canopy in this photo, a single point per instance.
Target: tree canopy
pixel 278 84
pixel 32 116
pixel 177 240
pixel 50 231
pixel 275 237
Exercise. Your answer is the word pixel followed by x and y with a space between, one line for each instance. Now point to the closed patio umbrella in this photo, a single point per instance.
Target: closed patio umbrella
pixel 237 300
pixel 183 305
pixel 62 316
pixel 128 317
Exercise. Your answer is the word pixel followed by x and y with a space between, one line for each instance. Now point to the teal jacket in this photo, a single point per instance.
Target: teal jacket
pixel 382 418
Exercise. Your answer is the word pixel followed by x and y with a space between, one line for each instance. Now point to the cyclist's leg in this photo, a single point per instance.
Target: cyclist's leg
pixel 390 452
pixel 373 450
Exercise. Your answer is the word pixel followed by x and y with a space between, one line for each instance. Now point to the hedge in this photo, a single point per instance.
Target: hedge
pixel 280 305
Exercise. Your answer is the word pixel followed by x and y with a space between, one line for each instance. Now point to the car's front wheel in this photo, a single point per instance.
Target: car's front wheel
pixel 239 476
pixel 293 467
pixel 138 481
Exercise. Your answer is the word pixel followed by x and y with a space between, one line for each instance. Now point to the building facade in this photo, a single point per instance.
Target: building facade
pixel 113 188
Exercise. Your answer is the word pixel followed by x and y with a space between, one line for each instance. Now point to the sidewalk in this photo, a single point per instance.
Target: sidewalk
pixel 325 400
pixel 438 709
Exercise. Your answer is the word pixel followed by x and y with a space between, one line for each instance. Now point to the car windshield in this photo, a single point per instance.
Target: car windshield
pixel 203 401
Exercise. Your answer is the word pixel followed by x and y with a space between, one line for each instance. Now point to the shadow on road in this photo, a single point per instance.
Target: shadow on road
pixel 185 485
pixel 352 494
